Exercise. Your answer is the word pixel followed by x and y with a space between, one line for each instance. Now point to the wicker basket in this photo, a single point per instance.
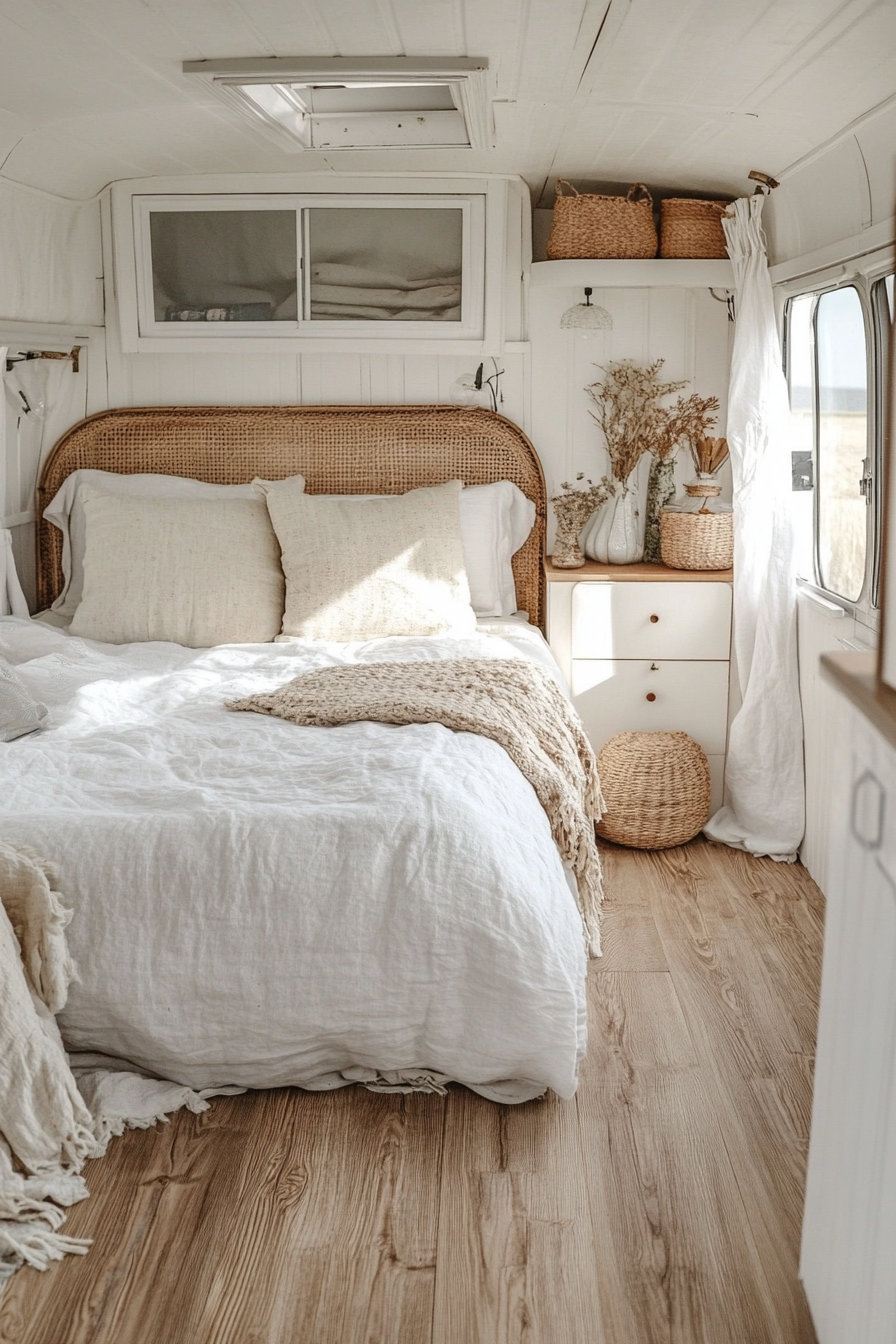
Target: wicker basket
pixel 585 225
pixel 656 787
pixel 700 540
pixel 692 229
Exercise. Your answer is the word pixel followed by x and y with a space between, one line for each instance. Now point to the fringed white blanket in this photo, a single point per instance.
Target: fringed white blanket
pixel 515 703
pixel 53 1117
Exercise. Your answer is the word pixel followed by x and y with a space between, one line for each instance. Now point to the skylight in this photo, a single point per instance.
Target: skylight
pixel 346 103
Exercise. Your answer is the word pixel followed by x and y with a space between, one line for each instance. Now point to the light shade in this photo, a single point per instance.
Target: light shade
pixel 587 316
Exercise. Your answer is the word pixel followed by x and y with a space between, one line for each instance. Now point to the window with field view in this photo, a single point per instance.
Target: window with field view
pixel 828 376
pixel 842 440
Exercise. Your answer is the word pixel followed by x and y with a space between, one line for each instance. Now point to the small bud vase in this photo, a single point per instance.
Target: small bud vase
pixel 567 553
pixel 660 492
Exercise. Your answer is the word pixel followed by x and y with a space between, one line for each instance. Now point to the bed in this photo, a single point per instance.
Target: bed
pixel 260 905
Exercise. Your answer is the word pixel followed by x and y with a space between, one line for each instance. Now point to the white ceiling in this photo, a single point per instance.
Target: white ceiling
pixel 688 94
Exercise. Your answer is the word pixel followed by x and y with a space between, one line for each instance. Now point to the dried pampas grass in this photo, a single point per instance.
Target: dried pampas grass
pixel 709 454
pixel 629 413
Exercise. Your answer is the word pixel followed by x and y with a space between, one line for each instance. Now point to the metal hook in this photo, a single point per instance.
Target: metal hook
pixel 727 299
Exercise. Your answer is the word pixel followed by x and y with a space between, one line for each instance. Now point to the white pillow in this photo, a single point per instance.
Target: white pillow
pixel 195 572
pixel 66 511
pixel 495 521
pixel 363 568
pixel 19 713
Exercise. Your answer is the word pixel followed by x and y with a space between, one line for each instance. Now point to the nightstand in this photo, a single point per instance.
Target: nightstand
pixel 645 647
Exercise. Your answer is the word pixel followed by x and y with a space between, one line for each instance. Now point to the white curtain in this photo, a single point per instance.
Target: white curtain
pixel 764 810
pixel 43 398
pixel 12 599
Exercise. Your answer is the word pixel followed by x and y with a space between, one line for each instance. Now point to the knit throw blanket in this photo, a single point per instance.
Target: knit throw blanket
pixel 514 702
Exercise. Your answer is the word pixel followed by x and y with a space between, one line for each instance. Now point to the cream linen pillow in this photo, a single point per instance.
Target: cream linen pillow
pixel 364 568
pixel 66 512
pixel 192 572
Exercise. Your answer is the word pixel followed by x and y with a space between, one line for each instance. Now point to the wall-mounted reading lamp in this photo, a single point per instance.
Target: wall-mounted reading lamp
pixel 469 388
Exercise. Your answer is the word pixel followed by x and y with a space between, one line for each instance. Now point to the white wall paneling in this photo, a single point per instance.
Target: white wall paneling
pixel 686 327
pixel 50 258
pixel 307 379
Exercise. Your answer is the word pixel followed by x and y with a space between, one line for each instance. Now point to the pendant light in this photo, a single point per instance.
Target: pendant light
pixel 587 316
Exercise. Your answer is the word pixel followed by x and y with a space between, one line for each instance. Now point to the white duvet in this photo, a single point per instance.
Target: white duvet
pixel 261 904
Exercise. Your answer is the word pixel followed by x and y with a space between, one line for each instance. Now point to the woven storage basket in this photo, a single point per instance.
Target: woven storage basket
pixel 701 540
pixel 692 229
pixel 585 225
pixel 656 787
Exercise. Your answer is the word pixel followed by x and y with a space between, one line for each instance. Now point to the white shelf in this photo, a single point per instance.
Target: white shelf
pixel 678 274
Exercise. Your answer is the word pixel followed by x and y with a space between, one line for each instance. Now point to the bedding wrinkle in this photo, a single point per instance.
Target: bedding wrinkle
pixel 264 905
pixel 511 702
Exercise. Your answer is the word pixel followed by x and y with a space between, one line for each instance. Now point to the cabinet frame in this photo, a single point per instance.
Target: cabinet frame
pixel 470 326
pixel 507 254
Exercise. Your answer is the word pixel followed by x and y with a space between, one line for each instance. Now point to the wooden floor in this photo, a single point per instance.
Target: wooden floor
pixel 661 1205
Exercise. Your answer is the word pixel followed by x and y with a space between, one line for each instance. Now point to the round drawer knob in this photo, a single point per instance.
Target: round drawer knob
pixel 654 619
pixel 651 696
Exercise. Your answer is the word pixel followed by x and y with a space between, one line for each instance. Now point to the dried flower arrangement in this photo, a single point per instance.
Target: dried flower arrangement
pixel 573 507
pixel 685 422
pixel 708 454
pixel 630 415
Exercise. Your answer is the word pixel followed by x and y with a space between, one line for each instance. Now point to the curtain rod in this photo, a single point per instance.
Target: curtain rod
pixel 25 355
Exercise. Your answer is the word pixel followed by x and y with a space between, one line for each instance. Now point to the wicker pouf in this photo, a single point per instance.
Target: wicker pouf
pixel 656 787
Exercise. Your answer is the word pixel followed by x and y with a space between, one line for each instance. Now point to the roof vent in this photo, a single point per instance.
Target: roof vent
pixel 345 102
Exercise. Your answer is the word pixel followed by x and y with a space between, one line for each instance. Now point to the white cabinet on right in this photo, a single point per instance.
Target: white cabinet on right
pixel 848 1258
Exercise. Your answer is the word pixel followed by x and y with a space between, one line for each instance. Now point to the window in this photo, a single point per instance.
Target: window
pixel 831 345
pixel 883 304
pixel 801 378
pixel 227 266
pixel 841 442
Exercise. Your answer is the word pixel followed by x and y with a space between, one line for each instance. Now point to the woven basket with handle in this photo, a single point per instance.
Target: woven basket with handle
pixel 701 540
pixel 692 229
pixel 656 788
pixel 585 225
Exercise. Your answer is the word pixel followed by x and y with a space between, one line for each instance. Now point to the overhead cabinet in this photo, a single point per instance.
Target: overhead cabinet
pixel 325 261
pixel 316 265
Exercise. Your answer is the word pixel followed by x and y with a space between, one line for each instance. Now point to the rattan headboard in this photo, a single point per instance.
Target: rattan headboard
pixel 338 449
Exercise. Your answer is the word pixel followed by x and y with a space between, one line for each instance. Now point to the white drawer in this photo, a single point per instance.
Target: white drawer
pixel 651 620
pixel 612 696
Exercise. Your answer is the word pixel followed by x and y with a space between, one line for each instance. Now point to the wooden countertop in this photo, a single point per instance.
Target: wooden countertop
pixel 855 674
pixel 640 573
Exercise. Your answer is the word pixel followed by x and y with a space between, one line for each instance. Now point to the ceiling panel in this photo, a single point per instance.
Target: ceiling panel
pixel 688 96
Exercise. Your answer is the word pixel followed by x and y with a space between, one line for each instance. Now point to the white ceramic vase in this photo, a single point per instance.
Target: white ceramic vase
pixel 614 535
